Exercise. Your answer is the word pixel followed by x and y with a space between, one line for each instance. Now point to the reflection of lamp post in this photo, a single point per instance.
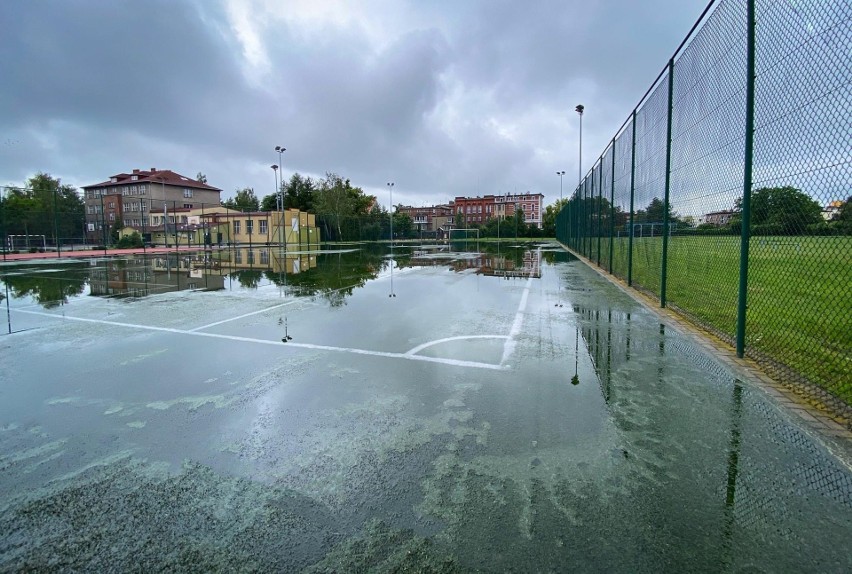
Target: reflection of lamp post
pixel 560 174
pixel 575 380
pixel 390 188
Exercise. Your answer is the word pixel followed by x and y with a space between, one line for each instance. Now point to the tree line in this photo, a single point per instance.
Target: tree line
pixel 781 210
pixel 43 206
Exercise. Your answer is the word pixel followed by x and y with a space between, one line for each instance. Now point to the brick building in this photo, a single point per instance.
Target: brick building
pixel 477 210
pixel 130 197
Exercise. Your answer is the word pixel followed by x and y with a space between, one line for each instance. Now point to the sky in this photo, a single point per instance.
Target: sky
pixel 443 98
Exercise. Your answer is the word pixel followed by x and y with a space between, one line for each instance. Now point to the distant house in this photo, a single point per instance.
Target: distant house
pixel 718 218
pixel 832 210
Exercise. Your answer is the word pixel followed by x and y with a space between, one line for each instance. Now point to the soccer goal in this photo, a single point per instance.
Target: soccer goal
pixel 18 242
pixel 466 232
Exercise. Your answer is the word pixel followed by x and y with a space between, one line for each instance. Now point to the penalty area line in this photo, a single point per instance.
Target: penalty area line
pixel 405 356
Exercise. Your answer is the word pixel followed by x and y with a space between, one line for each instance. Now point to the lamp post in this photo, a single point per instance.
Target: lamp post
pixel 278 198
pixel 560 174
pixel 390 189
pixel 579 109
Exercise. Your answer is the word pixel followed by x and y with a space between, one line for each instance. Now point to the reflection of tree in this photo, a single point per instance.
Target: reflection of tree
pixel 248 277
pixel 48 289
pixel 336 275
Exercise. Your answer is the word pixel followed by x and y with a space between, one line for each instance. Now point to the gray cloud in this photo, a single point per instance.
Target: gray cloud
pixel 474 98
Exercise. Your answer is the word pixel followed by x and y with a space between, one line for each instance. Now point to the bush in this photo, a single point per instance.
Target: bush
pixel 130 241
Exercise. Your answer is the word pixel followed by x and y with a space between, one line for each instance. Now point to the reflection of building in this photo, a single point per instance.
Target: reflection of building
pixel 484 263
pixel 130 198
pixel 267 258
pixel 142 276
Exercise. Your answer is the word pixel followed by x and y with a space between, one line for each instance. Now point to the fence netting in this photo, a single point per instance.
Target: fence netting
pixel 678 220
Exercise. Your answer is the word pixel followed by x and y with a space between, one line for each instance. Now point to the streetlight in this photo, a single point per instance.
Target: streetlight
pixel 390 188
pixel 277 197
pixel 279 201
pixel 579 109
pixel 560 174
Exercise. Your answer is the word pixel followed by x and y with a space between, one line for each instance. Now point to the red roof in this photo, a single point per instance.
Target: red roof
pixel 153 176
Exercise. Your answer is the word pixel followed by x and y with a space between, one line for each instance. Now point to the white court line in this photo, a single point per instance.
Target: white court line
pixel 452 362
pixel 509 345
pixel 237 318
pixel 419 348
pixel 262 310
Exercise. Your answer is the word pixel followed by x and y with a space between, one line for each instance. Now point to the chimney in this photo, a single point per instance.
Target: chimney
pixel 153 169
pixel 135 171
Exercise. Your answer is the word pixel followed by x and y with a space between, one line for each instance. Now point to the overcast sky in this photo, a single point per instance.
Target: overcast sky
pixel 442 98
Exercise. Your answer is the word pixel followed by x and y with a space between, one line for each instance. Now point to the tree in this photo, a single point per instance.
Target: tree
pixel 44 206
pixel 402 224
pixel 781 210
pixel 549 217
pixel 333 199
pixel 201 178
pixel 299 193
pixel 243 200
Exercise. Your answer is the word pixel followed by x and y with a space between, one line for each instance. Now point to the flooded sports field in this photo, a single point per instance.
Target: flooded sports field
pixel 444 407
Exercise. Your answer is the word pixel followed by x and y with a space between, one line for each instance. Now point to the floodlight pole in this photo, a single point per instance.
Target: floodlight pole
pixel 280 199
pixel 560 174
pixel 390 188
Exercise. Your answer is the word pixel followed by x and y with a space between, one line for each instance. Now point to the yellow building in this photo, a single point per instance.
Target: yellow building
pixel 209 226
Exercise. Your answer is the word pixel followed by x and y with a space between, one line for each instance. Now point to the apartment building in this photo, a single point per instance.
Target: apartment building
pixel 130 198
pixel 478 210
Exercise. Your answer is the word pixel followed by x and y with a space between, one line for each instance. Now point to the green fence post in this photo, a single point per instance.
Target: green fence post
pixel 745 232
pixel 3 223
pixel 668 188
pixel 632 189
pixel 600 207
pixel 612 207
pixel 56 224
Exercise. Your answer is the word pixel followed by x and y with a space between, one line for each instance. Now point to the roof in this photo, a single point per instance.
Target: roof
pixel 153 176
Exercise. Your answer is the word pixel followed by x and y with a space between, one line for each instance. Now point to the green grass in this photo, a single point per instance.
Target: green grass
pixel 799 296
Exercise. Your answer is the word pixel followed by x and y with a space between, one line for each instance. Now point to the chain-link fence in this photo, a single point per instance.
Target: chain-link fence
pixel 726 193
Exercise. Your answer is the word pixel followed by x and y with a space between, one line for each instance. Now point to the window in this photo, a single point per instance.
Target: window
pixel 134 177
pixel 187 192
pixel 236 227
pixel 112 205
pixel 143 205
pixel 249 226
pixel 144 221
pixel 264 257
pixel 126 222
pixel 183 219
pixel 263 226
pixel 187 206
pixel 112 217
pixel 142 189
pixel 250 258
pixel 238 254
